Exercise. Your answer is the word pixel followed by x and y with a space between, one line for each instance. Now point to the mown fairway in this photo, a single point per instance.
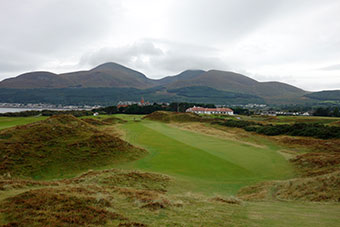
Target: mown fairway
pixel 206 163
pixel 7 122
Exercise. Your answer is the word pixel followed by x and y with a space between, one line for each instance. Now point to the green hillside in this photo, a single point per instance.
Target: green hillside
pixel 110 96
pixel 325 95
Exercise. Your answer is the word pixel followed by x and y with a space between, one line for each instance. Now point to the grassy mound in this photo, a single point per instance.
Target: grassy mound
pixel 308 143
pixel 319 188
pixel 317 163
pixel 59 146
pixel 320 181
pixel 121 178
pixel 105 121
pixel 94 122
pixel 165 116
pixel 113 120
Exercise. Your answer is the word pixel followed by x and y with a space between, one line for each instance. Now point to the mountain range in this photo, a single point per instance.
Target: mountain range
pixel 111 80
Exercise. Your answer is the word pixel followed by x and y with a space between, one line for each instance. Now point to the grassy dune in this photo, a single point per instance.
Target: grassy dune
pixel 60 146
pixel 210 164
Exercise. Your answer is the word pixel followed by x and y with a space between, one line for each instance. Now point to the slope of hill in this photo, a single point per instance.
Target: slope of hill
pixel 58 146
pixel 186 75
pixel 210 95
pixel 110 96
pixel 35 80
pixel 325 95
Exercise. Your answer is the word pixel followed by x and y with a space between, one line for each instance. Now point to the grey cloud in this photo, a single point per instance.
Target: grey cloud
pixel 222 21
pixel 34 32
pixel 259 36
pixel 52 25
pixel 173 62
pixel 124 55
pixel 14 62
pixel 331 67
pixel 146 57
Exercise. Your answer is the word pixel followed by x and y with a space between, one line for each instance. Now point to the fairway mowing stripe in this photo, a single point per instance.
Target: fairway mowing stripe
pixel 238 170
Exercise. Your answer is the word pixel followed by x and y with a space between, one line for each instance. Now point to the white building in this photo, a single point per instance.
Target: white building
pixel 201 110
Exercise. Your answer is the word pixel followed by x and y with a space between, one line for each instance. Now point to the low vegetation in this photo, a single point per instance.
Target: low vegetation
pixel 298 129
pixel 110 197
pixel 316 130
pixel 50 206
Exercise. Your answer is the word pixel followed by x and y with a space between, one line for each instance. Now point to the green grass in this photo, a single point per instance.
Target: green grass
pixel 7 122
pixel 208 164
pixel 200 166
pixel 275 213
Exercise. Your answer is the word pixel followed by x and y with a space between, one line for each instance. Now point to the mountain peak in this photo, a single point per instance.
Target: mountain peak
pixel 37 75
pixel 110 66
pixel 192 71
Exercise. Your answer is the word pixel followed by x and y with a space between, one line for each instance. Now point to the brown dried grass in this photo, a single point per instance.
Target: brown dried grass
pixel 229 200
pixel 331 145
pixel 319 188
pixel 42 207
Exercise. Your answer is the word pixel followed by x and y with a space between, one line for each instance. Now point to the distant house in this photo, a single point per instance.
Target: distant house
pixel 95 114
pixel 202 110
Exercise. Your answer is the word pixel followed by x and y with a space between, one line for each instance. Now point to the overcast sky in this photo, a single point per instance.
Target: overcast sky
pixel 293 41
